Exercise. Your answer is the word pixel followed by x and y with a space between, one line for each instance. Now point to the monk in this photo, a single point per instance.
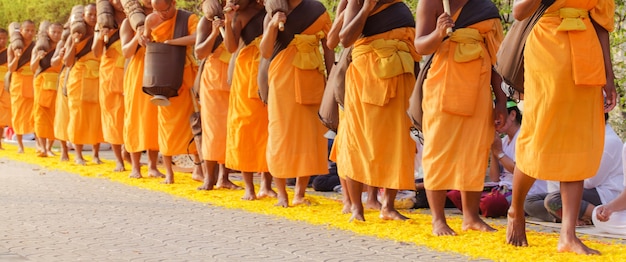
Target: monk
pixel 375 102
pixel 332 42
pixel 5 97
pixel 85 126
pixel 296 145
pixel 140 118
pixel 563 82
pixel 214 93
pixel 458 104
pixel 61 111
pixel 246 140
pixel 174 130
pixel 45 87
pixel 22 93
pixel 112 84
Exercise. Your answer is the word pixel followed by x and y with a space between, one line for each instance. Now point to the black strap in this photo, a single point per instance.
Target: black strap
pixel 3 57
pixel 114 38
pixel 25 58
pixel 182 19
pixel 86 49
pixel 397 15
pixel 303 16
pixel 475 11
pixel 45 63
pixel 217 43
pixel 253 28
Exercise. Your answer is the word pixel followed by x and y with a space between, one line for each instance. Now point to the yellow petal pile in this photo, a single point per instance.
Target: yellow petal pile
pixel 327 212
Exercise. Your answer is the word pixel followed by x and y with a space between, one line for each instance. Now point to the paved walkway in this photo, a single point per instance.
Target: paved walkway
pixel 56 216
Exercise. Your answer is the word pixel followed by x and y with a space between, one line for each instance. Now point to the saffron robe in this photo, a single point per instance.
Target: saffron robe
pixel 373 143
pixel 458 108
pixel 562 133
pixel 296 145
pixel 112 93
pixel 85 125
pixel 173 120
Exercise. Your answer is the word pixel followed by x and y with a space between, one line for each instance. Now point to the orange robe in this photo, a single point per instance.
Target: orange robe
pixel 5 99
pixel 296 145
pixel 246 141
pixel 112 93
pixel 45 102
pixel 140 118
pixel 61 112
pixel 562 133
pixel 458 109
pixel 22 99
pixel 214 94
pixel 85 125
pixel 174 129
pixel 373 142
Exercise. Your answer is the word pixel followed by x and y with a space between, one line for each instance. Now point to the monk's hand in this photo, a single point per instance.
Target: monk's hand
pixel 603 213
pixel 610 95
pixel 230 11
pixel 217 24
pixel 277 19
pixel 444 21
pixel 369 5
pixel 500 114
pixel 41 54
pixel 18 52
pixel 104 33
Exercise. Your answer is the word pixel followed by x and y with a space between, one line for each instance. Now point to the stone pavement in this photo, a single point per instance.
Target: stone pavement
pixel 57 216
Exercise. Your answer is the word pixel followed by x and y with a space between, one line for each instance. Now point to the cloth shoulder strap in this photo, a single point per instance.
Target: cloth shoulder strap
pixel 303 16
pixel 253 28
pixel 182 19
pixel 114 38
pixel 86 49
pixel 3 57
pixel 45 63
pixel 25 58
pixel 396 15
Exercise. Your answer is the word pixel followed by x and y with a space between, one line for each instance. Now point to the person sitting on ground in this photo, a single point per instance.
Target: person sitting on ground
pixel 600 189
pixel 611 217
pixel 501 169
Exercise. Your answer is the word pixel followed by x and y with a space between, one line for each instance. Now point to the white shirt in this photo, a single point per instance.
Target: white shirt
pixel 609 180
pixel 506 177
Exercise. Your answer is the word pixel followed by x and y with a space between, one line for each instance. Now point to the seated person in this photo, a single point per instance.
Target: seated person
pixel 495 201
pixel 611 217
pixel 605 186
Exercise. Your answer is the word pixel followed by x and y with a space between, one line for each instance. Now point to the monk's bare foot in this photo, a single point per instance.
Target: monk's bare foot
pixel 50 153
pixel 135 174
pixel 206 186
pixel 263 193
pixel 119 167
pixel 441 228
pixel 346 208
pixel 300 201
pixel 478 225
pixel 391 215
pixel 168 181
pixel 80 161
pixel 96 160
pixel 373 205
pixel 228 185
pixel 65 158
pixel 249 195
pixel 155 174
pixel 42 154
pixel 282 202
pixel 357 215
pixel 573 244
pixel 20 150
pixel 516 230
pixel 197 174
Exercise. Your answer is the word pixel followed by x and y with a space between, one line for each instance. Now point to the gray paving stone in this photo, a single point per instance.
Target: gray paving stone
pixel 65 217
